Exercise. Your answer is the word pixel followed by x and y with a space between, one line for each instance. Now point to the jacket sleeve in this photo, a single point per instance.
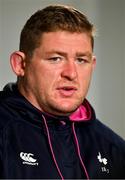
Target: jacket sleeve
pixel 118 153
pixel 123 161
pixel 1 154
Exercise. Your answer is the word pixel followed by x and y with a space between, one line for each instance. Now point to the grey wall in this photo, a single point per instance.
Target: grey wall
pixel 124 71
pixel 110 66
pixel 107 92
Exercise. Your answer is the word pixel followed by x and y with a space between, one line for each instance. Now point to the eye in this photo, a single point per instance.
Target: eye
pixel 55 59
pixel 82 60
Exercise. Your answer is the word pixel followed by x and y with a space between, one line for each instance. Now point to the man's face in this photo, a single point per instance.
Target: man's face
pixel 57 78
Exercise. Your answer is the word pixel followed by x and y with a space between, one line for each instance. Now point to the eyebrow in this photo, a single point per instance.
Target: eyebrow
pixel 78 54
pixel 56 52
pixel 88 54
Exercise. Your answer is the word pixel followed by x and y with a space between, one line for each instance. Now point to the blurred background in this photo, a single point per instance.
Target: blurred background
pixel 107 91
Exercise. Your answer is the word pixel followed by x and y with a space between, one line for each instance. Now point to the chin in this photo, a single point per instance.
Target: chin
pixel 65 107
pixel 66 110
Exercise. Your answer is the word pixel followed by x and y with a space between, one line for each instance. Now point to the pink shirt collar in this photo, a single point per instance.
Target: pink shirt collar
pixel 83 113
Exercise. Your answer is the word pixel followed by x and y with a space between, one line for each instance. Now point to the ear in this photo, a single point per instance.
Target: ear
pixel 94 62
pixel 17 61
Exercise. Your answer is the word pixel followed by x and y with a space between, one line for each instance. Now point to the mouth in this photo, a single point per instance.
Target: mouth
pixel 67 91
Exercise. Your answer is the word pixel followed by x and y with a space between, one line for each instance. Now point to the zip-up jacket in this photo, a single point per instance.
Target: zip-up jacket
pixel 37 145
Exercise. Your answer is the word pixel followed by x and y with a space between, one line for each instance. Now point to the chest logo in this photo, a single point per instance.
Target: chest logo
pixel 28 159
pixel 102 160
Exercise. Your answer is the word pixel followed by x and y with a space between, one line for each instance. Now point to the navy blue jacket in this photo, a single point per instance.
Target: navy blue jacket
pixel 37 145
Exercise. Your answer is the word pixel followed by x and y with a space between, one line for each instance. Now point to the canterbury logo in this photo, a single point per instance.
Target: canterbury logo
pixel 28 158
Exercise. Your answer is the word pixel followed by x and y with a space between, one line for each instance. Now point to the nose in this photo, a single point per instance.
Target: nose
pixel 69 71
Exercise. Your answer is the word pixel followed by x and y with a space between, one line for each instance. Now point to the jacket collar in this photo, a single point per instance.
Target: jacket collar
pixel 84 113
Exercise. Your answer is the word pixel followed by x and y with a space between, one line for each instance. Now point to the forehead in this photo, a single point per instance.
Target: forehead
pixel 63 40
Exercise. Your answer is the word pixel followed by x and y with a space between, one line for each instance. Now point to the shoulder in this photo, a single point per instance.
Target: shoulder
pixel 108 135
pixel 5 117
pixel 6 111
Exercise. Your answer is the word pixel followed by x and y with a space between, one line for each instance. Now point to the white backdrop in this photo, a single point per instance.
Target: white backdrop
pixel 107 92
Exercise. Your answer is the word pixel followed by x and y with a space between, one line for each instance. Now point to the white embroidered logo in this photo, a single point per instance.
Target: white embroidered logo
pixel 28 159
pixel 102 160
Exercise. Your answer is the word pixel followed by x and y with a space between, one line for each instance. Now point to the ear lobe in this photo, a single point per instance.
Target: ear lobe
pixel 17 61
pixel 94 62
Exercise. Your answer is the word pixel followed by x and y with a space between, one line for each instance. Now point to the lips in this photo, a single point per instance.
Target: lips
pixel 67 91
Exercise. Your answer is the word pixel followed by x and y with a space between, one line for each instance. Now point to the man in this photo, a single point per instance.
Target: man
pixel 48 128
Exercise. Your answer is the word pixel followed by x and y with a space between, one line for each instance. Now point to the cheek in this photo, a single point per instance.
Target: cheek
pixel 85 75
pixel 47 79
pixel 85 78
